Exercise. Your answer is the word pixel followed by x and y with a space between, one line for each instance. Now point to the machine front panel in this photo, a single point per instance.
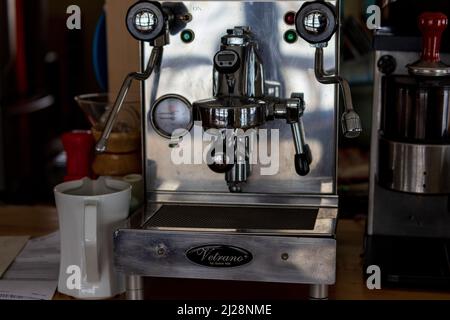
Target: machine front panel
pixel 187 72
pixel 221 256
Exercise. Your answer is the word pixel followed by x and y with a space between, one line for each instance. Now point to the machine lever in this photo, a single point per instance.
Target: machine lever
pixel 154 59
pixel 351 123
pixel 303 155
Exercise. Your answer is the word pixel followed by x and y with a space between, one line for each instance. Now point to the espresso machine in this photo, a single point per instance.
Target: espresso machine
pixel 408 228
pixel 240 128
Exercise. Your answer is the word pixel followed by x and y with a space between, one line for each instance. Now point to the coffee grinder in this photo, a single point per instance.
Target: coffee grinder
pixel 408 229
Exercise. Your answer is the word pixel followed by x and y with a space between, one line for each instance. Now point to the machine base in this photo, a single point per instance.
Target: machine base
pixel 410 262
pixel 226 247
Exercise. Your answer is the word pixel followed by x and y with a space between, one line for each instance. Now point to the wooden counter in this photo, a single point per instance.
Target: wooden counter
pixel 38 221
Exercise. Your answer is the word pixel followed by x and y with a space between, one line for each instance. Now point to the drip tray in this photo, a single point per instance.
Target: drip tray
pixel 236 219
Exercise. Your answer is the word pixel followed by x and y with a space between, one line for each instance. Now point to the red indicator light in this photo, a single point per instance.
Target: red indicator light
pixel 289 18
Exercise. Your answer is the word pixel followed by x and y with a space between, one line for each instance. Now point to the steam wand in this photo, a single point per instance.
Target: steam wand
pixel 351 123
pixel 317 22
pixel 153 61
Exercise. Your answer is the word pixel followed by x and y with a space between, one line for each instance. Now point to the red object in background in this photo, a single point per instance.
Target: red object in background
pixel 432 25
pixel 79 147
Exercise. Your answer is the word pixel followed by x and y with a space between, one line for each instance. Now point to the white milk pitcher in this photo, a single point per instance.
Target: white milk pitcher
pixel 89 212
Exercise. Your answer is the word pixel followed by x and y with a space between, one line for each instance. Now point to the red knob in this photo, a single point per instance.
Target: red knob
pixel 79 147
pixel 432 25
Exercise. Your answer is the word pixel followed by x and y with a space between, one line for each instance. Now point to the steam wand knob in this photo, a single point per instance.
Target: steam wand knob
pixel 316 22
pixel 146 21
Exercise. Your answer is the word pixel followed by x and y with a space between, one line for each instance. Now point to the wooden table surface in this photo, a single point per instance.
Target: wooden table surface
pixel 38 221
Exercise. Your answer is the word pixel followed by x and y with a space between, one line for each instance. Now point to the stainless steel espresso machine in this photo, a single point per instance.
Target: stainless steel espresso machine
pixel 240 127
pixel 408 230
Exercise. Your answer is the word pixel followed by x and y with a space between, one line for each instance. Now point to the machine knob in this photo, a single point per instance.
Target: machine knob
pixel 146 20
pixel 387 64
pixel 316 22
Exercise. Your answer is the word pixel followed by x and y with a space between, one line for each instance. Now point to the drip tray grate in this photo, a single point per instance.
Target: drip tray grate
pixel 175 217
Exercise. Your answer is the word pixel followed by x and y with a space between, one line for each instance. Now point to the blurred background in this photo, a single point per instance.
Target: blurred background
pixel 44 66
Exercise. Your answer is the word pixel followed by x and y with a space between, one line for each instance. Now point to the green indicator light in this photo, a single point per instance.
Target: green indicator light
pixel 290 36
pixel 187 36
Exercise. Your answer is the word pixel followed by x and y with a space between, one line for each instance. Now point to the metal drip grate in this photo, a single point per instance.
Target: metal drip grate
pixel 236 218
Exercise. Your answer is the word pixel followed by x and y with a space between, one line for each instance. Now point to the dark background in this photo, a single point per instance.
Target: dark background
pixel 39 79
pixel 52 64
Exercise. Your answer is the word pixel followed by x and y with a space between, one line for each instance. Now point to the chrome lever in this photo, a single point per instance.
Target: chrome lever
pixel 292 111
pixel 303 155
pixel 322 18
pixel 351 122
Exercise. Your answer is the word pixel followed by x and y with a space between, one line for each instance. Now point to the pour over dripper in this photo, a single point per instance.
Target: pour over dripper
pixel 97 107
pixel 122 154
pixel 126 131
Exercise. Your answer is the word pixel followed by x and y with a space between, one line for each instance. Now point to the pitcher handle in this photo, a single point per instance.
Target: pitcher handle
pixel 90 241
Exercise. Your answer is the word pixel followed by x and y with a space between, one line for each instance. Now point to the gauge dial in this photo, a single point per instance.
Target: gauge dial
pixel 170 113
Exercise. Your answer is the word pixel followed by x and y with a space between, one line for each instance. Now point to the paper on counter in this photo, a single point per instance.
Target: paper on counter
pixel 9 249
pixel 34 273
pixel 39 260
pixel 27 290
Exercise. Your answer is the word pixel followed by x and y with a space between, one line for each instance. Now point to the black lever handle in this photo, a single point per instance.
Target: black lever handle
pixel 303 155
pixel 302 164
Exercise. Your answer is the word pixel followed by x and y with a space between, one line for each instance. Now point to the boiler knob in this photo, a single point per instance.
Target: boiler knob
pixel 316 22
pixel 146 20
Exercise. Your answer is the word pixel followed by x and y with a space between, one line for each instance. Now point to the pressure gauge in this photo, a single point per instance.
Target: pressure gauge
pixel 171 112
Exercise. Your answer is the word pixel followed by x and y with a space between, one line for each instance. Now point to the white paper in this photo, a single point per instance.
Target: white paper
pixel 27 290
pixel 34 273
pixel 39 260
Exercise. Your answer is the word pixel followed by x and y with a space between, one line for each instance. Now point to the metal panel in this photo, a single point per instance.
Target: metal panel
pixel 414 168
pixel 187 70
pixel 410 215
pixel 275 259
pixel 244 200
